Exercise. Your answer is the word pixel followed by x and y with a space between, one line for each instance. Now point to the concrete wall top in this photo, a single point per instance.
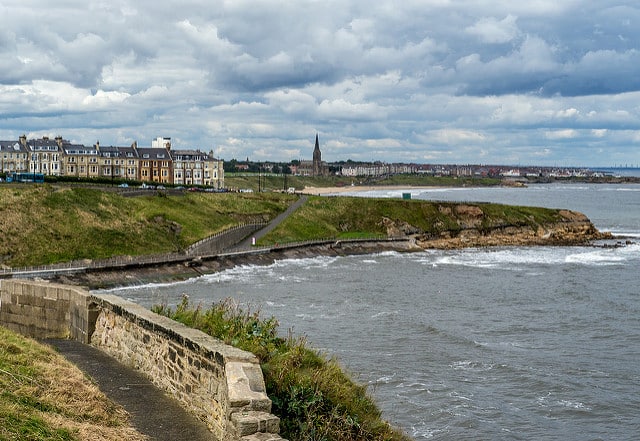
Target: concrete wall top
pixel 172 330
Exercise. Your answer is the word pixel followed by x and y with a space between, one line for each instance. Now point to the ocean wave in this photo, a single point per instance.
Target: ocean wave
pixel 503 345
pixel 526 258
pixel 599 257
pixel 549 402
pixel 624 233
pixel 512 258
pixel 385 314
pixel 474 366
pixel 148 286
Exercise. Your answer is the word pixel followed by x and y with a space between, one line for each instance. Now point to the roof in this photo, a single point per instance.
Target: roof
pixel 153 153
pixel 11 146
pixel 44 144
pixel 189 153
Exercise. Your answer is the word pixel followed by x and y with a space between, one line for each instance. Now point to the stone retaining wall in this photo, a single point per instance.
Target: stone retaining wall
pixel 44 310
pixel 222 385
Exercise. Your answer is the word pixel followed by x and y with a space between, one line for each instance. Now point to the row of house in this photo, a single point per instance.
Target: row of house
pixel 377 169
pixel 158 163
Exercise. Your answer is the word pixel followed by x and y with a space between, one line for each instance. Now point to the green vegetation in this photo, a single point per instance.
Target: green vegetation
pixel 45 398
pixel 281 182
pixel 311 394
pixel 438 181
pixel 44 224
pixel 349 217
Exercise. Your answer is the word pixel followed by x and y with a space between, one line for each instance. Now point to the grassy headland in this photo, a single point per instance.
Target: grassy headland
pixel 43 397
pixel 351 217
pixel 48 224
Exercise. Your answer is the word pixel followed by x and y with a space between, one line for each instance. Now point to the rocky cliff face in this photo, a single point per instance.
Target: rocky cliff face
pixel 470 230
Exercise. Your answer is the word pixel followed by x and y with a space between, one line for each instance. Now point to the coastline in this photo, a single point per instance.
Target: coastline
pixel 577 232
pixel 322 191
pixel 176 272
pixel 469 231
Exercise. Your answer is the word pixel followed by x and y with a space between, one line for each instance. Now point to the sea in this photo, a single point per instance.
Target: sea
pixel 505 343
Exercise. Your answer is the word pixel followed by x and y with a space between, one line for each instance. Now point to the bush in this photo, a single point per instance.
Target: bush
pixel 313 397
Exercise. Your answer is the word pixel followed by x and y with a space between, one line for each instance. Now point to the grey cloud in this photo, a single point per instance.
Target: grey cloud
pixel 413 79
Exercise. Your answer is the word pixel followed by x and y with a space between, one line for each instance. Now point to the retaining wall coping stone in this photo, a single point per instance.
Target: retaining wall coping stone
pixel 176 331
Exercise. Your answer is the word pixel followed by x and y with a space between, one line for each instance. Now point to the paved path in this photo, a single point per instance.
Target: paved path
pixel 153 412
pixel 246 244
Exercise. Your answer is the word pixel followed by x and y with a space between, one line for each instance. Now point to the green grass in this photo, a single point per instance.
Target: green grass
pixel 46 224
pixel 311 394
pixel 44 397
pixel 437 181
pixel 349 217
pixel 277 183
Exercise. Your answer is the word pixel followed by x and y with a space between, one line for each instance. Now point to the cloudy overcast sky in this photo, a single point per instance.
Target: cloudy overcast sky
pixel 549 82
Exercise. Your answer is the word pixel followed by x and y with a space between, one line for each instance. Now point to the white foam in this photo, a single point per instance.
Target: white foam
pixel 385 314
pixel 512 258
pixel 546 401
pixel 523 258
pixel 598 257
pixel 149 286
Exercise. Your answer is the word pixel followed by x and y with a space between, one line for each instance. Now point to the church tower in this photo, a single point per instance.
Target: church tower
pixel 317 159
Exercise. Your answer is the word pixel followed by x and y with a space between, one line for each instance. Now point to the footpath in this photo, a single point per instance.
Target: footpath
pixel 153 412
pixel 247 243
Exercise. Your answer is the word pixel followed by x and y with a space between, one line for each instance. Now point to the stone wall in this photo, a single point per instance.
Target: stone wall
pixel 222 385
pixel 44 310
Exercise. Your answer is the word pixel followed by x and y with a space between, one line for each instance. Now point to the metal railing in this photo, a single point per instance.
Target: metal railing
pixel 119 261
pixel 122 262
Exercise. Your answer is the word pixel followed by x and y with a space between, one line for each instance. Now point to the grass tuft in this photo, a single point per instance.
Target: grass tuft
pixel 44 397
pixel 311 394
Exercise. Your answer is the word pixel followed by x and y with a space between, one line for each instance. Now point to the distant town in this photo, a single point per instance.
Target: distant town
pixel 33 159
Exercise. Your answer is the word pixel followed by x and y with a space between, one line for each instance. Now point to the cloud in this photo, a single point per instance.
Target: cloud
pixel 562 134
pixel 462 81
pixel 491 30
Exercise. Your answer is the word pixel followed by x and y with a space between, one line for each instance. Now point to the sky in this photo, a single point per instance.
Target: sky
pixel 541 82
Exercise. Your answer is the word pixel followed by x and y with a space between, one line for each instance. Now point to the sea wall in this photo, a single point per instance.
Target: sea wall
pixel 222 385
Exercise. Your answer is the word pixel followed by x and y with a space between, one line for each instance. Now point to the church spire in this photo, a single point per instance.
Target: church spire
pixel 317 159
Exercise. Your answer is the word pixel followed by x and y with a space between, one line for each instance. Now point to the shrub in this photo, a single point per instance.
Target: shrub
pixel 313 397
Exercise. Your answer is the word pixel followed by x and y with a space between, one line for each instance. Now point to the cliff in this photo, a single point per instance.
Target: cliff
pixel 472 230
